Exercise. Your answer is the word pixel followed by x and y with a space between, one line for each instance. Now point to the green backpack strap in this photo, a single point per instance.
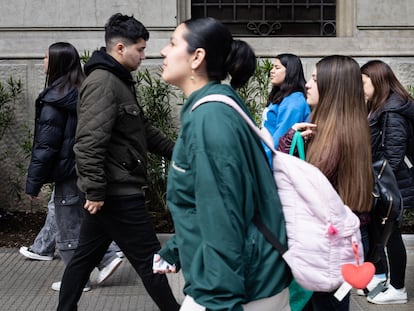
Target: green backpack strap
pixel 299 144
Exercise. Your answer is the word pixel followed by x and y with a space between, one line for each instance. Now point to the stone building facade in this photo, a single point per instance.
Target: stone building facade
pixel 365 29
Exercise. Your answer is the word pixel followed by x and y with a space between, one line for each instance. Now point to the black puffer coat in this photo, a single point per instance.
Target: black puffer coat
pixel 53 158
pixel 392 138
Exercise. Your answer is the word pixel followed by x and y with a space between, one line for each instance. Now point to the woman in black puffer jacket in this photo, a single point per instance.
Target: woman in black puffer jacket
pixel 53 158
pixel 391 120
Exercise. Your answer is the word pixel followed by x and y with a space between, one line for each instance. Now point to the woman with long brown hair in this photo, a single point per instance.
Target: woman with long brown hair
pixel 338 143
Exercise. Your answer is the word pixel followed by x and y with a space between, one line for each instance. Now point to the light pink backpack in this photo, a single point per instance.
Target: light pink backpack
pixel 321 230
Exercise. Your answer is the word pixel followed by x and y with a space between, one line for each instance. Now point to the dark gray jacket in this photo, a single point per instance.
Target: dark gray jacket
pixel 392 138
pixel 113 135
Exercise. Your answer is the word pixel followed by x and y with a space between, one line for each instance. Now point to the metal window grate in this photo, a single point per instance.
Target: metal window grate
pixel 271 17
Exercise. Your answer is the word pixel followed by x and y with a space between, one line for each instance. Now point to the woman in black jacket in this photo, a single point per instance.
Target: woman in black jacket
pixel 391 119
pixel 53 158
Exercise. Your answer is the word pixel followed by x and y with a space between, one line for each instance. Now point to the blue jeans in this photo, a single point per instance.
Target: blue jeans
pixel 45 241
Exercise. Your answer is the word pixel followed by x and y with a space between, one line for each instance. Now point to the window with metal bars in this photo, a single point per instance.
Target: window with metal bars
pixel 310 18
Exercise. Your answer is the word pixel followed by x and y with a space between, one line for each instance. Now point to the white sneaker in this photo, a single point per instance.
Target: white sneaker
pixel 389 296
pixel 375 281
pixel 360 292
pixel 56 286
pixel 107 271
pixel 27 252
pixel 120 254
pixel 371 285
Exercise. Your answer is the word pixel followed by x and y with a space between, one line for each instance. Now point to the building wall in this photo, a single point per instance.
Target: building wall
pixel 366 29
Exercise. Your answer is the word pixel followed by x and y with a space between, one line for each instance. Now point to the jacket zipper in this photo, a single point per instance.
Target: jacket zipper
pixel 384 219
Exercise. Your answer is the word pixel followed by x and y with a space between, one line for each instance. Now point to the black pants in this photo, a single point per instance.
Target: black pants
pixel 321 301
pixel 125 220
pixel 397 259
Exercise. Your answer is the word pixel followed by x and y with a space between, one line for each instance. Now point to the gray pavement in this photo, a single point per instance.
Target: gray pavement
pixel 25 286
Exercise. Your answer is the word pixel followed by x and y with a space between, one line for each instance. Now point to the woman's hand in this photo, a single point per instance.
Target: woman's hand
pixel 160 266
pixel 306 129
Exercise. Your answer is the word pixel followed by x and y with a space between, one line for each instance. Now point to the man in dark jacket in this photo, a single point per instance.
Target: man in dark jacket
pixel 112 140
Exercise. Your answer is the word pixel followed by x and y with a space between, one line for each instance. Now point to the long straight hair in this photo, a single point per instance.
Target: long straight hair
pixel 64 65
pixel 294 79
pixel 341 147
pixel 384 82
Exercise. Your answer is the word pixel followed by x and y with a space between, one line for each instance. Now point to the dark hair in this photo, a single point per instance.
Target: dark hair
pixel 294 80
pixel 125 28
pixel 64 64
pixel 223 54
pixel 384 82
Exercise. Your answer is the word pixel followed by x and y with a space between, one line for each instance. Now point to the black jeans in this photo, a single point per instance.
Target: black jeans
pixel 125 220
pixel 397 259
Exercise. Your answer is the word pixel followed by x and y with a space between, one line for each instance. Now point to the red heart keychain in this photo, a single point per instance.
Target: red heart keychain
pixel 358 276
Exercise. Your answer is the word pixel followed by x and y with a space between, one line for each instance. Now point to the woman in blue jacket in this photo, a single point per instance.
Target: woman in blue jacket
pixel 286 103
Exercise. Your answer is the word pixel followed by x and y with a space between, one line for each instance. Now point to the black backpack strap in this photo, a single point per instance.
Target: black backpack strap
pixel 268 234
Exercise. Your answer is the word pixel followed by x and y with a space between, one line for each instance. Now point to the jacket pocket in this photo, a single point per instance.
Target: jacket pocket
pixel 126 165
pixel 134 163
pixel 67 200
pixel 130 121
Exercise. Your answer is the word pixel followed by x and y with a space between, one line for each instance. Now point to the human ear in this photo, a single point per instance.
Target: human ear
pixel 119 48
pixel 198 57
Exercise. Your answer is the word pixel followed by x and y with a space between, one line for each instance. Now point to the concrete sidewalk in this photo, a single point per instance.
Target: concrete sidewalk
pixel 25 286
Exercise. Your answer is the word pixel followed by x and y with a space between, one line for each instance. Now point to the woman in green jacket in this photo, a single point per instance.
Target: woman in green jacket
pixel 218 176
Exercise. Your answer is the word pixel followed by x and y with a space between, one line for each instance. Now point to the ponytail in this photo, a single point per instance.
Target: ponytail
pixel 240 63
pixel 224 55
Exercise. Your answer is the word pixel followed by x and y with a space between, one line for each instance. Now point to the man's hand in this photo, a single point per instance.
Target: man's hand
pixel 93 206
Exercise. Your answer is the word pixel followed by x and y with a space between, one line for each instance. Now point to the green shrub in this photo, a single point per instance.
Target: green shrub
pixel 156 98
pixel 256 91
pixel 8 96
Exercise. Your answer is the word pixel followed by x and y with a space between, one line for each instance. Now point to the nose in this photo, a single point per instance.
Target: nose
pixel 162 52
